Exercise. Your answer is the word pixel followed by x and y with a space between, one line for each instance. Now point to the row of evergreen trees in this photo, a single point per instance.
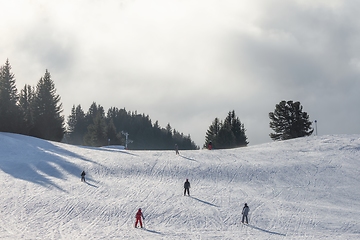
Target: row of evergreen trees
pixel 95 128
pixel 229 133
pixel 36 111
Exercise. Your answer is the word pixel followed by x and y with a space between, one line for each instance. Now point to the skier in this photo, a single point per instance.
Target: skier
pixel 245 213
pixel 210 146
pixel 138 217
pixel 176 149
pixel 186 187
pixel 83 176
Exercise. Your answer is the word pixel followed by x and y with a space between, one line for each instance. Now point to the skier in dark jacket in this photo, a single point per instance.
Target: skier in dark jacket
pixel 138 217
pixel 176 149
pixel 245 213
pixel 187 187
pixel 83 176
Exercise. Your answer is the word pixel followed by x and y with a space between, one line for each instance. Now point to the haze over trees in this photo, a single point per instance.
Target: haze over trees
pixel 37 111
pixel 95 128
pixel 289 121
pixel 229 133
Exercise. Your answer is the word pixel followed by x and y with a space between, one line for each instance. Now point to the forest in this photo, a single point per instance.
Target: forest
pixel 37 111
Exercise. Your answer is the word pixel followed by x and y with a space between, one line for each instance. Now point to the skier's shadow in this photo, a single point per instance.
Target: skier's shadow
pixel 264 230
pixel 152 231
pixel 191 159
pixel 202 201
pixel 92 185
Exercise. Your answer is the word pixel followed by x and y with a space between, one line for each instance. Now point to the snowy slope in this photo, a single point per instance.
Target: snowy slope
pixel 306 188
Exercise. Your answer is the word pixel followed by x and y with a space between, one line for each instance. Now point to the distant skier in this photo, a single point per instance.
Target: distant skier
pixel 83 176
pixel 245 213
pixel 139 216
pixel 210 146
pixel 187 187
pixel 176 149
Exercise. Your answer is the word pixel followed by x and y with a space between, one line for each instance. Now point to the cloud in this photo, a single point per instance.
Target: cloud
pixel 185 63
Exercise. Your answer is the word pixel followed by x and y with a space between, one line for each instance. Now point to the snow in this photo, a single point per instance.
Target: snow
pixel 305 188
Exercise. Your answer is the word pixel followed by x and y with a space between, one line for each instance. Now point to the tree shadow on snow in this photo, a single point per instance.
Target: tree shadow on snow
pixel 38 161
pixel 202 201
pixel 114 150
pixel 264 230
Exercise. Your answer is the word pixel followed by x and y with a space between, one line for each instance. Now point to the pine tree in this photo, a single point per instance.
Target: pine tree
pixel 26 103
pixel 10 113
pixel 96 135
pixel 227 134
pixel 113 136
pixel 212 132
pixel 143 134
pixel 225 137
pixel 238 129
pixel 289 121
pixel 48 122
pixel 77 126
pixel 96 130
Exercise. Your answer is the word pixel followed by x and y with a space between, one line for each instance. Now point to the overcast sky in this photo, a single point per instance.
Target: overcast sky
pixel 185 62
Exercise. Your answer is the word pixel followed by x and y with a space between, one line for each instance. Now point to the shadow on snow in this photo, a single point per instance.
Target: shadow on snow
pixel 191 159
pixel 48 162
pixel 202 201
pixel 264 230
pixel 92 185
pixel 152 231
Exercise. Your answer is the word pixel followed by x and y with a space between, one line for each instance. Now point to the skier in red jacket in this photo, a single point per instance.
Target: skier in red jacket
pixel 138 217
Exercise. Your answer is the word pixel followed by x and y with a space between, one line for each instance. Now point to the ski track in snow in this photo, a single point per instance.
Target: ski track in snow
pixel 298 189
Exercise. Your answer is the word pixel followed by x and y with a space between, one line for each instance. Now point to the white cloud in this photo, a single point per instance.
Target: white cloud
pixel 187 62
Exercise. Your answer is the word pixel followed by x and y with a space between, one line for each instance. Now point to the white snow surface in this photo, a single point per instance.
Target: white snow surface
pixel 305 188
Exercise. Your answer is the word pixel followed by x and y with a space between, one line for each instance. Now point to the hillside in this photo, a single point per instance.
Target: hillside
pixel 304 188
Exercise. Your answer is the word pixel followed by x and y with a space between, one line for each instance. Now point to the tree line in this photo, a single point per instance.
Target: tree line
pixel 288 121
pixel 36 111
pixel 95 128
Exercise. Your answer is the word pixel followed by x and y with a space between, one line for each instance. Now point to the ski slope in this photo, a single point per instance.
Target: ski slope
pixel 306 188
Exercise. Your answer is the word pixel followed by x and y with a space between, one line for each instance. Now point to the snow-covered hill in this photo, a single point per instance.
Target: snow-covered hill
pixel 306 188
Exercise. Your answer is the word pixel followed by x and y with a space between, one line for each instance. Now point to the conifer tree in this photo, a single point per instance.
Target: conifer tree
pixel 10 113
pixel 289 121
pixel 212 132
pixel 143 134
pixel 48 122
pixel 227 134
pixel 93 112
pixel 26 103
pixel 113 136
pixel 77 126
pixel 238 129
pixel 96 135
